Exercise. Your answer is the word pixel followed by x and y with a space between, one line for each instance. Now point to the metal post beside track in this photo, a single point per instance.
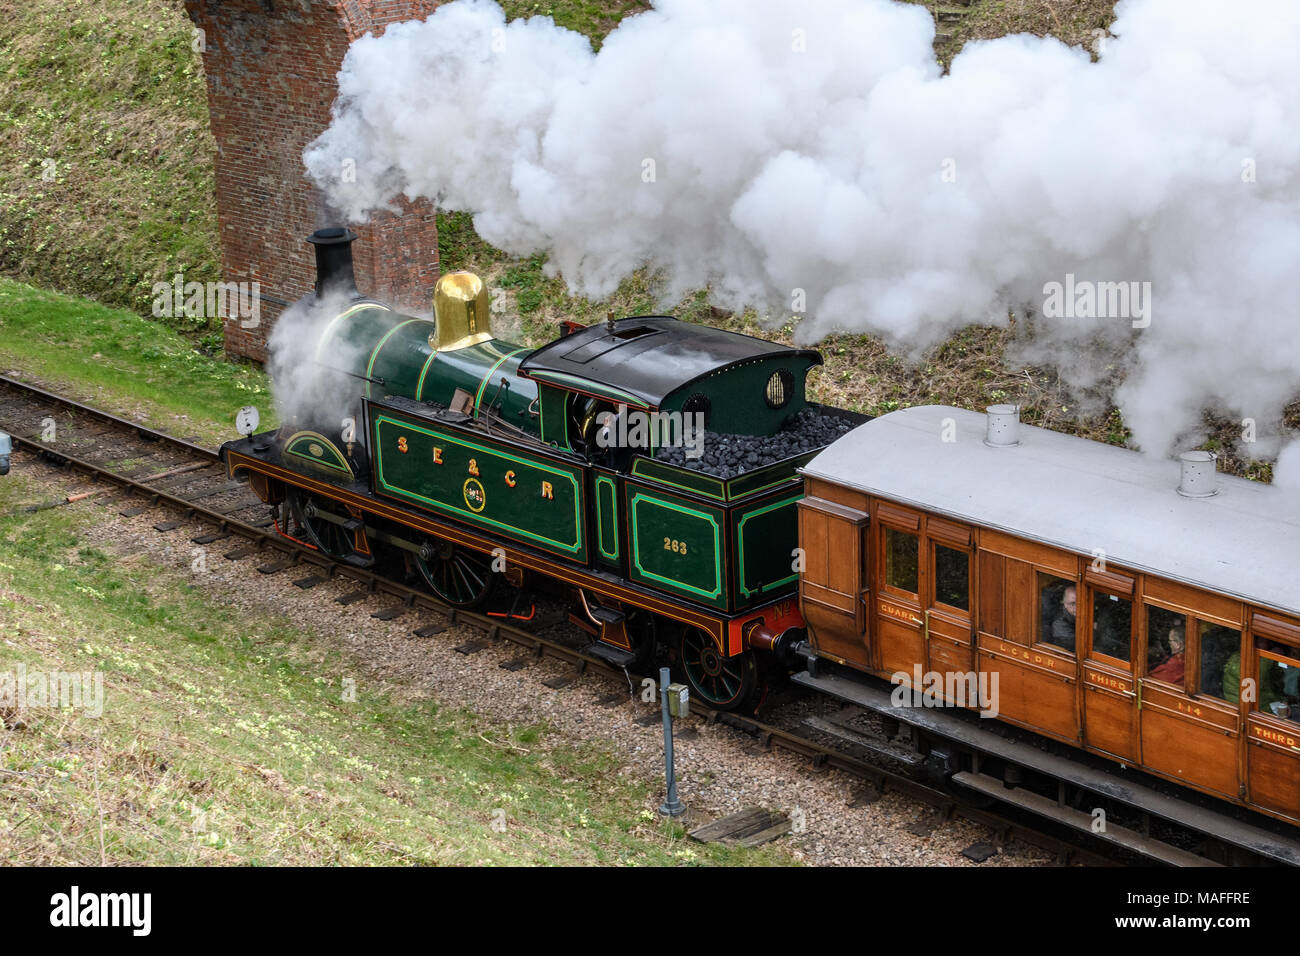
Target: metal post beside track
pixel 672 806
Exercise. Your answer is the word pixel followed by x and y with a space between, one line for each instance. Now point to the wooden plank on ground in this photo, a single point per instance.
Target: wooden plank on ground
pixel 750 827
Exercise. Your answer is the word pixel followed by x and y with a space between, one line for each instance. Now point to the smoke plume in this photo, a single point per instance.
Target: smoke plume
pixel 813 153
pixel 310 387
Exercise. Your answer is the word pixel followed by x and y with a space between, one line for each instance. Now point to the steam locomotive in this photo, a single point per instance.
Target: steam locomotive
pixel 567 462
pixel 1120 607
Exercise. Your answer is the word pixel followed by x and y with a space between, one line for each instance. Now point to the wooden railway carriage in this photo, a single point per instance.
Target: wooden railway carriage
pixel 940 542
pixel 465 445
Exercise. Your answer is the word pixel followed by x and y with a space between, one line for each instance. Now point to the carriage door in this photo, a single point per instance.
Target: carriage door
pixel 832 584
pixel 1110 701
pixel 1273 717
pixel 1190 729
pixel 899 574
pixel 946 618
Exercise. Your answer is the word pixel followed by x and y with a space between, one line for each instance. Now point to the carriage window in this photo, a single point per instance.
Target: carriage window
pixel 1112 625
pixel 1220 652
pixel 901 560
pixel 1279 675
pixel 1166 645
pixel 951 577
pixel 1058 603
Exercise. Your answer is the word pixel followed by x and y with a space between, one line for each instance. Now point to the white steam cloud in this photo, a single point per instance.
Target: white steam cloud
pixel 1286 473
pixel 314 392
pixel 764 147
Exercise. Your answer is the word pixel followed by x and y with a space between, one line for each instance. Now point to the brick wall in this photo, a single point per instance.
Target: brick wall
pixel 271 67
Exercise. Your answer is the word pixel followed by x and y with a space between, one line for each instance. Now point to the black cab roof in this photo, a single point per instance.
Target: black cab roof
pixel 643 359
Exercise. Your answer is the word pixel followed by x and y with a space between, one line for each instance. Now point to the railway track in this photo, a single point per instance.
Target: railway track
pixel 150 467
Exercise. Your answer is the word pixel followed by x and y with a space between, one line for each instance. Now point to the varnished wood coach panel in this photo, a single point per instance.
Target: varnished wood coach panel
pixel 1192 741
pixel 830 589
pixel 1035 688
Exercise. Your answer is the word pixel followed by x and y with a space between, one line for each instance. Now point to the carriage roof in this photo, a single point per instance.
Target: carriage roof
pixel 1080 495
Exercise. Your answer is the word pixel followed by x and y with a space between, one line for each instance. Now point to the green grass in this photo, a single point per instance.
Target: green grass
pixel 227 737
pixel 113 359
pixel 592 18
pixel 107 184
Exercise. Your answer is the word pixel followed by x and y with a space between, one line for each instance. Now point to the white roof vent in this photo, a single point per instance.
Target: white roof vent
pixel 1003 426
pixel 1198 476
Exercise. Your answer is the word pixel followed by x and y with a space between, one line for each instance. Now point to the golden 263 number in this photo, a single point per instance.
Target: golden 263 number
pixel 672 544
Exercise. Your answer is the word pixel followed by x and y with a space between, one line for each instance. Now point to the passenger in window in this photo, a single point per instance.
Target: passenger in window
pixel 1272 681
pixel 1173 668
pixel 1232 678
pixel 1270 695
pixel 1219 645
pixel 1063 627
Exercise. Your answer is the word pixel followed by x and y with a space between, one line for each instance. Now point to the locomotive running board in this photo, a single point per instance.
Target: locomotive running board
pixel 1254 839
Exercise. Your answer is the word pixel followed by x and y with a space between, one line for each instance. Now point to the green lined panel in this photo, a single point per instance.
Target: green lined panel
pixel 318 450
pixel 554 427
pixel 486 499
pixel 738 394
pixel 766 535
pixel 682 478
pixel 607 518
pixel 769 477
pixel 677 546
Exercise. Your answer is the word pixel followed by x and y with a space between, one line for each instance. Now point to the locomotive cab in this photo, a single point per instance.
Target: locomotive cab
pixel 692 436
pixel 661 367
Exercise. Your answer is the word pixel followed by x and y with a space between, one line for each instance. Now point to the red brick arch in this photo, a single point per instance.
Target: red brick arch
pixel 271 68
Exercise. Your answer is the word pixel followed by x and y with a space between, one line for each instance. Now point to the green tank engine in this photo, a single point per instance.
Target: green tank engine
pixel 647 464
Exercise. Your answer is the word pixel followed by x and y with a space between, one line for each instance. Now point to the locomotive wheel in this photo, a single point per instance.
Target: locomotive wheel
pixel 722 682
pixel 461 578
pixel 329 537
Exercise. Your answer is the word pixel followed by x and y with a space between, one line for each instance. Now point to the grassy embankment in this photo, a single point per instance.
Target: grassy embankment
pixel 113 359
pixel 107 183
pixel 227 737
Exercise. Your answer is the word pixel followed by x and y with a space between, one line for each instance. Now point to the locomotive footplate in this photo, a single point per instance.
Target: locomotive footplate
pixel 986 744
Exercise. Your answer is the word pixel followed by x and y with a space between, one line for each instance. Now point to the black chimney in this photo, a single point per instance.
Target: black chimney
pixel 334 261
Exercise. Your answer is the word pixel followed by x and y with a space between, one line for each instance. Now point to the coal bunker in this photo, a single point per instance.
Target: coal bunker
pixel 726 456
